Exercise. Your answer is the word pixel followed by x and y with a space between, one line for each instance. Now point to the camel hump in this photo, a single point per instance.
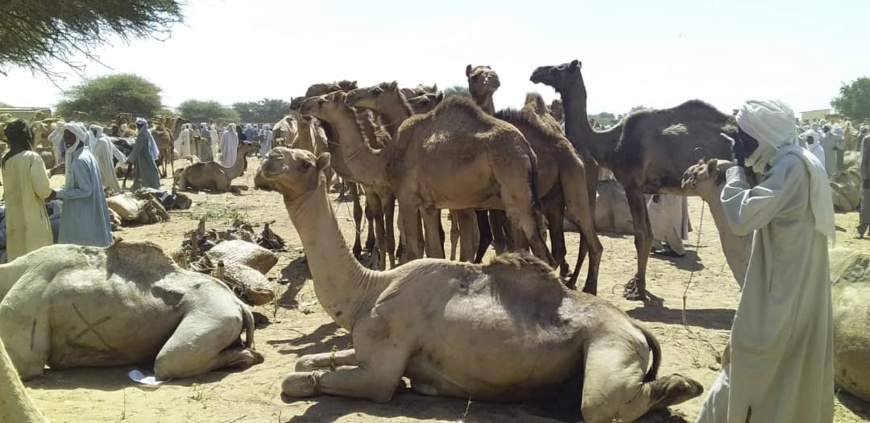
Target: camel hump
pixel 138 257
pixel 521 264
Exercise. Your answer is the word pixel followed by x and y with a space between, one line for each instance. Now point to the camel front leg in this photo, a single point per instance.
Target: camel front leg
pixel 357 220
pixel 485 235
pixel 454 234
pixel 635 290
pixel 464 219
pixel 308 363
pixel 554 211
pixel 431 225
pixel 410 232
pixel 388 205
pixel 373 201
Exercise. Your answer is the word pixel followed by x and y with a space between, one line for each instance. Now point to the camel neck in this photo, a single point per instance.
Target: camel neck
pixel 396 113
pixel 14 401
pixel 578 131
pixel 306 140
pixel 367 165
pixel 344 288
pixel 487 104
pixel 239 166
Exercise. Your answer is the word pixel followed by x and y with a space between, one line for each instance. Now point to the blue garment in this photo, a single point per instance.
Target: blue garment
pixel 141 157
pixel 85 218
pixel 249 134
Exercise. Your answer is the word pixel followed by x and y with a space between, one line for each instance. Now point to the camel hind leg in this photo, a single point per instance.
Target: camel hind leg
pixel 614 387
pixel 519 195
pixel 554 211
pixel 581 212
pixel 357 219
pixel 205 341
pixel 643 238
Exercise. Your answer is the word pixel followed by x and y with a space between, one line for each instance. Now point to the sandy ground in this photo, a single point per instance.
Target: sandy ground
pixel 299 326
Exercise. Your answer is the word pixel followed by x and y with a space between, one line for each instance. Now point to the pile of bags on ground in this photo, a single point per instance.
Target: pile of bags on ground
pixel 846 187
pixel 234 256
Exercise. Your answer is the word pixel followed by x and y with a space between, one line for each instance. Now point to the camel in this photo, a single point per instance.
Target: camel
pixel 647 152
pixel 163 138
pixel 558 111
pixel 16 404
pixel 78 116
pixel 525 335
pixel 72 306
pixel 212 175
pixel 498 169
pixel 706 179
pixel 425 103
pixel 339 167
pixel 420 91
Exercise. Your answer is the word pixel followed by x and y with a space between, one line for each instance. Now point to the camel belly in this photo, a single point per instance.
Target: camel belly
pixel 485 353
pixel 109 325
pixel 461 182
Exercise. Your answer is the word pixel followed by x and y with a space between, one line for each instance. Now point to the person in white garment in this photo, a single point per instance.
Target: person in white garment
pixel 104 151
pixel 668 217
pixel 815 146
pixel 780 365
pixel 229 146
pixel 182 143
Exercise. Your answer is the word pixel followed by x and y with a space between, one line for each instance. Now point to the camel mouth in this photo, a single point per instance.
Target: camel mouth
pixel 271 175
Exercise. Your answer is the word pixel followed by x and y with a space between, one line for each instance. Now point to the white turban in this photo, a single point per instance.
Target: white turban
pixel 140 121
pixel 772 122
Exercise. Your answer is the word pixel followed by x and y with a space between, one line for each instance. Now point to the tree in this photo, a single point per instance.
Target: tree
pixel 205 111
pixel 263 111
pixel 854 99
pixel 456 90
pixel 35 33
pixel 104 97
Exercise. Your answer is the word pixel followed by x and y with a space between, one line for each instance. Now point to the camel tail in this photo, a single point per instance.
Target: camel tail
pixel 248 319
pixel 656 349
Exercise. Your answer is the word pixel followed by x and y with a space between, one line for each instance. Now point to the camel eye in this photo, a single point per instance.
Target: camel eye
pixel 305 165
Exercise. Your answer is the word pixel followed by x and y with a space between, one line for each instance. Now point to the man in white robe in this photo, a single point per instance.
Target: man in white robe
pixel 669 221
pixel 182 143
pixel 229 146
pixel 103 150
pixel 815 146
pixel 781 347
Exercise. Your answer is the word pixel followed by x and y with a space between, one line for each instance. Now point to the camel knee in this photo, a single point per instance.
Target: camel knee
pixel 672 390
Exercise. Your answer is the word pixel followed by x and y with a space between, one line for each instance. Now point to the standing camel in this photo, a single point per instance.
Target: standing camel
pixel 647 152
pixel 524 335
pixel 455 157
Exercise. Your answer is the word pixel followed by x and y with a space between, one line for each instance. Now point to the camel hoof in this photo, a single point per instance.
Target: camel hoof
pixel 633 291
pixel 298 385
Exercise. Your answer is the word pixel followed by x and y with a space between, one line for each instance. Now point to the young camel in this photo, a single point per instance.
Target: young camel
pixel 647 152
pixel 525 335
pixel 16 405
pixel 455 157
pixel 212 175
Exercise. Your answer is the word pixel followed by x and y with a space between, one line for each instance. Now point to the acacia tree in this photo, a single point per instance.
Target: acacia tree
pixel 265 110
pixel 102 98
pixel 36 33
pixel 206 111
pixel 456 90
pixel 854 99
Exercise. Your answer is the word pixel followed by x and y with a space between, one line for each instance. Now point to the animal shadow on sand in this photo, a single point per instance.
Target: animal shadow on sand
pixel 407 404
pixel 296 274
pixel 111 379
pixel 855 405
pixel 689 262
pixel 654 310
pixel 321 340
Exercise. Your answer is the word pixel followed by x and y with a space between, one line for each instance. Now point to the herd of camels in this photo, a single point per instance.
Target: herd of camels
pixel 507 177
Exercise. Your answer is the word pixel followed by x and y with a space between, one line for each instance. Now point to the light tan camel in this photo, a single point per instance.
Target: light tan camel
pixel 73 306
pixel 647 152
pixel 213 176
pixel 706 179
pixel 420 91
pixel 498 170
pixel 524 335
pixel 341 168
pixel 16 406
pixel 163 139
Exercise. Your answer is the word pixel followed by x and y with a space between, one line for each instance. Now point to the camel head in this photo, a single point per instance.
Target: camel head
pixel 373 98
pixel 246 148
pixel 561 77
pixel 321 105
pixel 324 88
pixel 426 103
pixel 482 81
pixel 419 90
pixel 705 178
pixel 295 172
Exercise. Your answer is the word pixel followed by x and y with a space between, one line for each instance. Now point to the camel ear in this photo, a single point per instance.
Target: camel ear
pixel 435 87
pixel 575 64
pixel 468 70
pixel 323 161
pixel 439 96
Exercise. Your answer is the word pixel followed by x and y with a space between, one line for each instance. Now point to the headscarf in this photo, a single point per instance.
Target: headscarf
pixel 96 134
pixel 838 130
pixel 863 129
pixel 81 135
pixel 155 152
pixel 771 122
pixel 19 137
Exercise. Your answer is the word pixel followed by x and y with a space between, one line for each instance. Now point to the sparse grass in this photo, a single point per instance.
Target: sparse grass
pixel 222 214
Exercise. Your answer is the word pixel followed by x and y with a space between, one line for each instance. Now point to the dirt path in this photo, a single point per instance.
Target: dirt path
pixel 299 326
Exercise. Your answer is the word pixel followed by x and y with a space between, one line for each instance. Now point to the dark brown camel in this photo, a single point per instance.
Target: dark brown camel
pixel 647 152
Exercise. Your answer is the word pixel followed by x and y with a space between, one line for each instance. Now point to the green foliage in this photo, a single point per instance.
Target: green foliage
pixel 36 33
pixel 604 118
pixel 854 99
pixel 104 97
pixel 4 105
pixel 206 111
pixel 266 110
pixel 456 90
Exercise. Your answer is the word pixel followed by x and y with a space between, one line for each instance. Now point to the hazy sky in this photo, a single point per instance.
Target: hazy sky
pixel 634 52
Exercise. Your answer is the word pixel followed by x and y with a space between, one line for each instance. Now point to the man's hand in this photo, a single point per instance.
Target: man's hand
pixel 738 153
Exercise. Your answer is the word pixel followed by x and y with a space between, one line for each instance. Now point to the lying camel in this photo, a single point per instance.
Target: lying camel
pixel 17 406
pixel 212 175
pixel 521 332
pixel 72 306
